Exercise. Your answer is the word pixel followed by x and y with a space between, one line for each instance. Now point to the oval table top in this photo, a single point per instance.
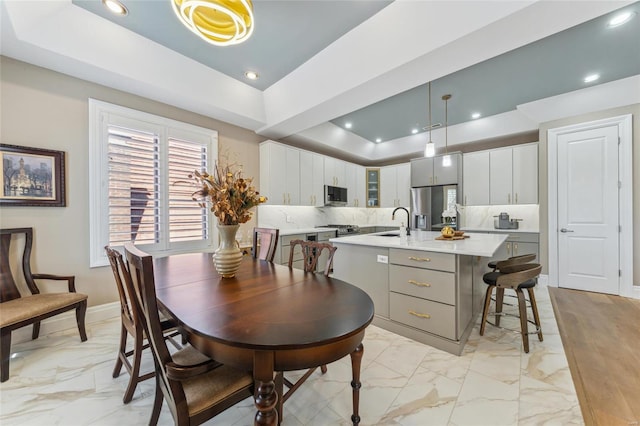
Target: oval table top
pixel 264 307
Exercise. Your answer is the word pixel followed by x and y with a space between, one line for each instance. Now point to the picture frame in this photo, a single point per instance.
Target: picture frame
pixel 32 177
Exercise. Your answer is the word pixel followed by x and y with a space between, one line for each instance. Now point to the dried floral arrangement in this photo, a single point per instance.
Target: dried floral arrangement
pixel 229 195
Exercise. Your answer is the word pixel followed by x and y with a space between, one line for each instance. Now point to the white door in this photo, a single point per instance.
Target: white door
pixel 587 220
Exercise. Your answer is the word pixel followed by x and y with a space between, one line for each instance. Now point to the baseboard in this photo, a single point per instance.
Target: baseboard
pixel 543 280
pixel 67 320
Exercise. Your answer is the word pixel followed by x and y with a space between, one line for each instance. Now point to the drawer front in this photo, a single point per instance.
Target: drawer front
pixel 424 283
pixel 432 317
pixel 423 259
pixel 325 236
pixel 286 239
pixel 297 254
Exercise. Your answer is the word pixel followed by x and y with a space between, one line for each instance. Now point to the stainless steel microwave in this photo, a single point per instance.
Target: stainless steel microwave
pixel 335 196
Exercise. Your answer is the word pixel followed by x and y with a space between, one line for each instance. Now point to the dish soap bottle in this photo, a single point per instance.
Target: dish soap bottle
pixel 403 230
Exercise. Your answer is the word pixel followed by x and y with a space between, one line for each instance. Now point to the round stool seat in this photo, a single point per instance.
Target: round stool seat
pixel 491 278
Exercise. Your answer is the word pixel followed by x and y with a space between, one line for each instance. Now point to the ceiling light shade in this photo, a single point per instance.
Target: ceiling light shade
pixel 591 77
pixel 219 22
pixel 446 160
pixel 116 7
pixel 430 149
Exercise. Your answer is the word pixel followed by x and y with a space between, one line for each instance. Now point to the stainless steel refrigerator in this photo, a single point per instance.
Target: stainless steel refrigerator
pixel 429 202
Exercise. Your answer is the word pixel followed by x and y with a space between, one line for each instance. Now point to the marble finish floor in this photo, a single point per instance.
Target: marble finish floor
pixel 56 380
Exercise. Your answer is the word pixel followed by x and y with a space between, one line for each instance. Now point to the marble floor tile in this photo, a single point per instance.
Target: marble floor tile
pixel 57 380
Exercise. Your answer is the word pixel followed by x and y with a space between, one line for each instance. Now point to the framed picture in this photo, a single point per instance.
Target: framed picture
pixel 31 177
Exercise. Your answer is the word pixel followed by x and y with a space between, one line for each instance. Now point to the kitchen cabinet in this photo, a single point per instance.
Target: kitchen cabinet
pixel 395 185
pixel 280 173
pixel 513 175
pixel 475 175
pixel 373 187
pixel 311 179
pixel 334 172
pixel 518 243
pixel 429 171
pixel 355 183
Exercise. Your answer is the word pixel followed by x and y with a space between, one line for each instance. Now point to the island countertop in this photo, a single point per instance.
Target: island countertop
pixel 477 244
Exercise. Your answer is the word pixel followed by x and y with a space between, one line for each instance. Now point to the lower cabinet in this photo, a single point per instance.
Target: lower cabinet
pixel 517 244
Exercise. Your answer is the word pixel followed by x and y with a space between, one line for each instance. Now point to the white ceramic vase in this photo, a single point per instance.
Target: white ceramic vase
pixel 228 256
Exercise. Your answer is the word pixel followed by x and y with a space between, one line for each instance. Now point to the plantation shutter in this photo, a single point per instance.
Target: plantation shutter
pixel 187 220
pixel 133 186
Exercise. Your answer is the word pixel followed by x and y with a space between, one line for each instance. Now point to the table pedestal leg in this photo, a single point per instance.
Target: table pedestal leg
pixel 356 360
pixel 265 395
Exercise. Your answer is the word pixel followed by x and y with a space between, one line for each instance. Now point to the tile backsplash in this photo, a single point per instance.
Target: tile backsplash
pixel 300 217
pixel 471 217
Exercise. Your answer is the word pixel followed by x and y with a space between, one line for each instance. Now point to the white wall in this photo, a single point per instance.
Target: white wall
pixel 45 109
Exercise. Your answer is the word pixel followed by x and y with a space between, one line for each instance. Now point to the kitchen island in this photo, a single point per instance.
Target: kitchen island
pixel 422 288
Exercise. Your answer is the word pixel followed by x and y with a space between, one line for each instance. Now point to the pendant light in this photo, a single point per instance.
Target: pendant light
pixel 219 22
pixel 446 159
pixel 430 147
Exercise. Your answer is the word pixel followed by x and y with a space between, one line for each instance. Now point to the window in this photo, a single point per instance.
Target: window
pixel 139 185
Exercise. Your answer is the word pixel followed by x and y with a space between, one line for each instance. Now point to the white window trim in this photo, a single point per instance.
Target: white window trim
pixel 100 114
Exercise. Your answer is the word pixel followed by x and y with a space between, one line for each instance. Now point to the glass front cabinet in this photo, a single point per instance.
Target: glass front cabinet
pixel 373 187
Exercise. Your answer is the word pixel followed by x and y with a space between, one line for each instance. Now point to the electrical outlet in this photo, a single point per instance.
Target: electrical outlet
pixel 383 259
pixel 289 219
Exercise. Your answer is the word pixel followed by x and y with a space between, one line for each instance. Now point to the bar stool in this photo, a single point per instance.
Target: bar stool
pixel 523 258
pixel 516 277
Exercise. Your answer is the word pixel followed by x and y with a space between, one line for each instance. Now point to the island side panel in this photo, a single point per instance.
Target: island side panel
pixel 360 266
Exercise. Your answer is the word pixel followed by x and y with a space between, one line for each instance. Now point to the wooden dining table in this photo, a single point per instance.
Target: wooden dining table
pixel 267 319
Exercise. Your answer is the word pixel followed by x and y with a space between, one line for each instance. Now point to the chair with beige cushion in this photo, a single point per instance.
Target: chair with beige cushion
pixel 265 241
pixel 18 310
pixel 131 325
pixel 312 252
pixel 195 388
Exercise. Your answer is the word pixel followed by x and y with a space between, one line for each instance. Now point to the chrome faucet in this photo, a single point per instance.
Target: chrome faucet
pixel 393 216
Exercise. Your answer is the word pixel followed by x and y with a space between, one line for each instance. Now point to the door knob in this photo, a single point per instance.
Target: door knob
pixel 566 230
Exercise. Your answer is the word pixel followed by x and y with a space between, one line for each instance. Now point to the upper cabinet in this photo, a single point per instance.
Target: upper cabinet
pixel 430 171
pixel 373 187
pixel 311 179
pixel 475 175
pixel 355 183
pixel 334 172
pixel 501 176
pixel 395 185
pixel 280 173
pixel 513 175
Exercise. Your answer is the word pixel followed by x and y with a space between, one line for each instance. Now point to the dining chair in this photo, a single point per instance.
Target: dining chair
pixel 312 252
pixel 131 325
pixel 195 387
pixel 265 241
pixel 517 277
pixel 19 310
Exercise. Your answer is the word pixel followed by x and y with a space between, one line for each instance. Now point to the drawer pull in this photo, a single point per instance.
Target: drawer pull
pixel 420 259
pixel 426 316
pixel 419 284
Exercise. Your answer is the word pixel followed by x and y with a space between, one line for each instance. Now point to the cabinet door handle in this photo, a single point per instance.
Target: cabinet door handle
pixel 425 316
pixel 515 249
pixel 419 284
pixel 288 198
pixel 430 179
pixel 516 198
pixel 420 259
pixel 435 179
pixel 508 198
pixel 508 247
pixel 465 200
pixel 284 198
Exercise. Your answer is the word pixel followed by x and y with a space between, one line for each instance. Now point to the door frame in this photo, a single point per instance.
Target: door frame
pixel 625 199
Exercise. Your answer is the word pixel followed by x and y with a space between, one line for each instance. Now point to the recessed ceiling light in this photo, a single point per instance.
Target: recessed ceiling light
pixel 116 7
pixel 414 131
pixel 347 124
pixel 378 140
pixel 591 77
pixel 476 115
pixel 621 19
pixel 251 75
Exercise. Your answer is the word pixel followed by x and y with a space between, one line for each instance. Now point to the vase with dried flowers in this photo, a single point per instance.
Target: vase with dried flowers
pixel 230 197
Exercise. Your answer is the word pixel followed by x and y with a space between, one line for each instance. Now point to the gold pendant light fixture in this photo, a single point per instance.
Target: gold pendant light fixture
pixel 219 22
pixel 446 159
pixel 430 147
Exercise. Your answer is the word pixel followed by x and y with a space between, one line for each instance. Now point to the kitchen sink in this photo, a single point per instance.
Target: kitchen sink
pixel 388 235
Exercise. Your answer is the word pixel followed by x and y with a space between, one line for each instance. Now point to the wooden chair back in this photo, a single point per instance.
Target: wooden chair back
pixel 119 269
pixel 8 288
pixel 311 254
pixel 265 241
